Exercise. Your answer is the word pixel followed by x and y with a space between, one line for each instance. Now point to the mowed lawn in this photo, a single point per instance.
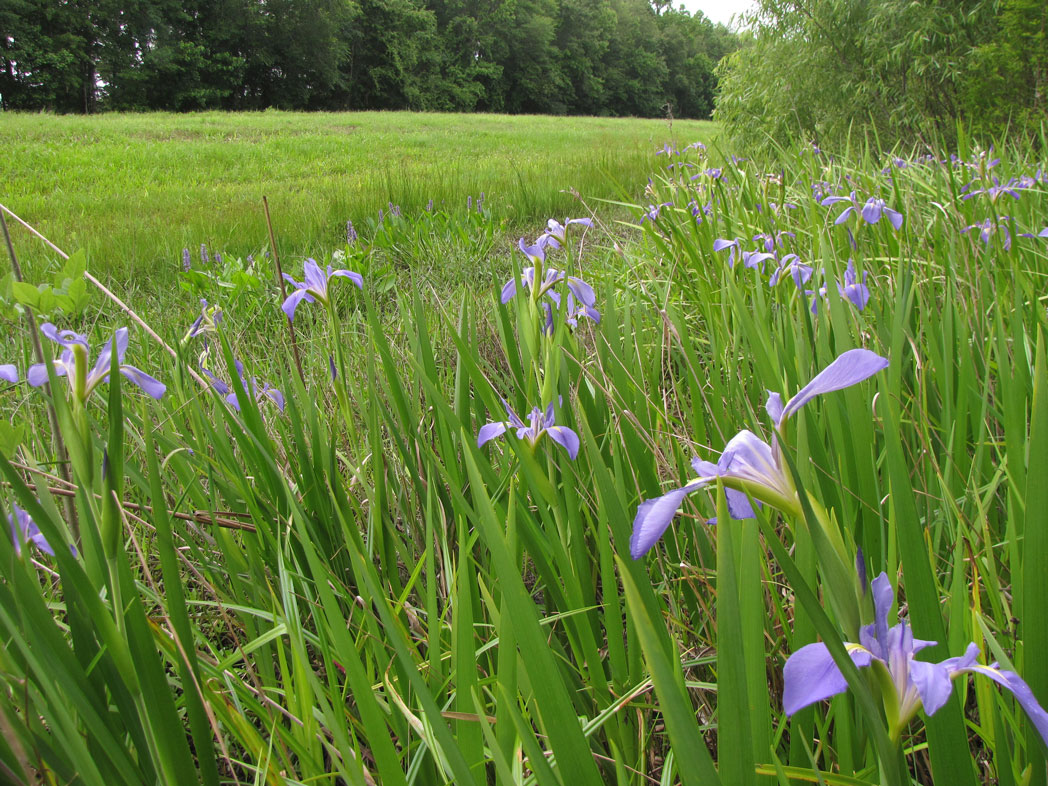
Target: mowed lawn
pixel 135 189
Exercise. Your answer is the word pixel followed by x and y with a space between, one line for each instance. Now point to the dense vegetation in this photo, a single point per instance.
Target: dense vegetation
pixel 593 57
pixel 895 69
pixel 432 538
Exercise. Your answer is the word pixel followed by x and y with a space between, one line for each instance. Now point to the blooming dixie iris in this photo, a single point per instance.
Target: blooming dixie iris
pixel 259 392
pixel 907 684
pixel 25 530
pixel 9 373
pixel 582 291
pixel 749 466
pixel 73 364
pixel 539 423
pixel 871 212
pixel 315 286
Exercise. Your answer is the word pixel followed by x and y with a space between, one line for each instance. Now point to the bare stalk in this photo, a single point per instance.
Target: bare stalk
pixel 283 287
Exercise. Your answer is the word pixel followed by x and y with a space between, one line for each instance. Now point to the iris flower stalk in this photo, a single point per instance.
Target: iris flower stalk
pixel 750 468
pixel 906 685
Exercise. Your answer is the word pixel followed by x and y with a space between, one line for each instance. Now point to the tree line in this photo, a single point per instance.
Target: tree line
pixel 594 57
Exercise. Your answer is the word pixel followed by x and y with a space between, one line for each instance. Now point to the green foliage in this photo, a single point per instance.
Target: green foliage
pixel 898 70
pixel 528 56
pixel 66 293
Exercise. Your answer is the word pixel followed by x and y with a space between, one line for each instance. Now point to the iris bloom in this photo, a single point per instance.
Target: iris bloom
pixel 791 265
pixel 749 466
pixel 556 231
pixel 852 290
pixel 9 373
pixel 315 287
pixel 539 423
pixel 73 364
pixel 260 392
pixel 1011 188
pixel 811 675
pixel 654 211
pixel 207 322
pixel 751 259
pixel 575 311
pixel 871 212
pixel 25 530
pixel 988 227
pixel 582 291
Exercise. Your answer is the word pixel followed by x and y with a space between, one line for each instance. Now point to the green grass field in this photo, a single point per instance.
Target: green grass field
pixel 134 190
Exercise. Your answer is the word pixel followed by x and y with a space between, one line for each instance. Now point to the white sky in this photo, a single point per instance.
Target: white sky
pixel 717 10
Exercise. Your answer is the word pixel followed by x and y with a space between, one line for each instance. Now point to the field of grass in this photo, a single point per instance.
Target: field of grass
pixel 134 190
pixel 449 549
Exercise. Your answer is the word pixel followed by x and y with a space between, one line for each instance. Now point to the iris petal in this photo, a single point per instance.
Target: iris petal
pixel 654 517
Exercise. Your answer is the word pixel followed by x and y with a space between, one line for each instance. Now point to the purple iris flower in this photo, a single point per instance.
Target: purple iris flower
pixel 772 240
pixel 208 321
pixel 666 150
pixel 582 291
pixel 811 675
pixel 791 265
pixel 73 364
pixel 25 530
pixel 1042 233
pixel 539 423
pixel 259 392
pixel 749 466
pixel 871 211
pixel 751 259
pixel 556 230
pixel 988 227
pixel 1010 188
pixel 315 287
pixel 574 312
pixel 9 373
pixel 722 243
pixel 654 211
pixel 853 290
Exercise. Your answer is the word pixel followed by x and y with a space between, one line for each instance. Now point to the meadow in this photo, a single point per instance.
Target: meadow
pixel 670 492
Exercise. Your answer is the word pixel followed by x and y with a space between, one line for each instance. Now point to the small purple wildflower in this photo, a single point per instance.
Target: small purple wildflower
pixel 791 265
pixel 25 530
pixel 9 373
pixel 315 286
pixel 244 385
pixel 987 228
pixel 1011 188
pixel 654 211
pixel 582 291
pixel 871 211
pixel 72 364
pixel 203 254
pixel 187 262
pixel 811 675
pixel 538 424
pixel 854 291
pixel 557 231
pixel 351 233
pixel 208 321
pixel 749 466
